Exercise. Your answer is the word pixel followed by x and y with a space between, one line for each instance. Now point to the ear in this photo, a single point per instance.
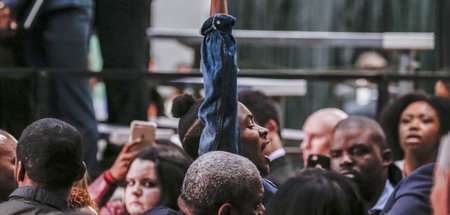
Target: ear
pixel 227 209
pixel 272 126
pixel 387 157
pixel 20 171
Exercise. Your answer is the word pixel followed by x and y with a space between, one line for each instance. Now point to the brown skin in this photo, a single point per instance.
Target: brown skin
pixel 418 135
pixel 274 138
pixel 357 156
pixel 7 160
pixel 120 167
pixel 253 140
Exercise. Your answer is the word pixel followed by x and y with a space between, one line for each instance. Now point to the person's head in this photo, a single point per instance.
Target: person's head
pixel 440 194
pixel 414 124
pixel 359 152
pixel 49 155
pixel 190 127
pixel 318 129
pixel 442 88
pixel 317 191
pixel 222 183
pixel 7 158
pixel 253 137
pixel 154 178
pixel 266 114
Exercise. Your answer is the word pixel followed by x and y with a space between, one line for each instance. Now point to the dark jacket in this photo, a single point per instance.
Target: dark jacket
pixel 32 200
pixel 412 194
pixel 280 171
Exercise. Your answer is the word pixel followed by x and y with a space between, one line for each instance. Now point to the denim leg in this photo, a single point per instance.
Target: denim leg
pixel 219 109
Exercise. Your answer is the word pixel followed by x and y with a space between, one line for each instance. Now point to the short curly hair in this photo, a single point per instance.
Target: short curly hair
pixel 390 117
pixel 219 177
pixel 51 153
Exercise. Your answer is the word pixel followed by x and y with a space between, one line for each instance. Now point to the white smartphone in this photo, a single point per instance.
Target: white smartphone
pixel 144 130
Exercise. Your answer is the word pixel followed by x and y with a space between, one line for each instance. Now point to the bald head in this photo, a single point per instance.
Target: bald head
pixel 318 130
pixel 364 123
pixel 217 178
pixel 7 158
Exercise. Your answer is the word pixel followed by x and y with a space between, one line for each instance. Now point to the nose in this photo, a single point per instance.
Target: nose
pixel 346 160
pixel 135 190
pixel 414 124
pixel 263 132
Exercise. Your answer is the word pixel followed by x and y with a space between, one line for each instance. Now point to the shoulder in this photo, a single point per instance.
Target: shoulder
pixel 419 182
pixel 22 206
pixel 412 194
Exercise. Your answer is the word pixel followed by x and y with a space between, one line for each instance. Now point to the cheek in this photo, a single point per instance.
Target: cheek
pixel 334 163
pixel 150 197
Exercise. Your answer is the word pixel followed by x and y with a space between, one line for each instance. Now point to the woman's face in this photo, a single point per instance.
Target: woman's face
pixel 418 128
pixel 142 191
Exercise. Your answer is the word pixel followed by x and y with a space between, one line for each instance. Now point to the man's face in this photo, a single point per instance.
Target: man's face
pixel 254 204
pixel 357 156
pixel 253 140
pixel 317 139
pixel 7 160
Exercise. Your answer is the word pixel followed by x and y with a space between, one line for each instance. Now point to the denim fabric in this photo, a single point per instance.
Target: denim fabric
pixel 219 109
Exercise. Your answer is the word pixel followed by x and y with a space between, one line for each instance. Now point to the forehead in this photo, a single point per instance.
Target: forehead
pixel 142 168
pixel 419 107
pixel 7 146
pixel 349 137
pixel 243 112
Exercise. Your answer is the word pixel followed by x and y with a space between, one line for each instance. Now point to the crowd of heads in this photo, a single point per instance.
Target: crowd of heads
pixel 361 152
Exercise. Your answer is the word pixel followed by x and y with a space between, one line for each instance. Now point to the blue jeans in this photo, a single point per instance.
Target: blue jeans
pixel 219 109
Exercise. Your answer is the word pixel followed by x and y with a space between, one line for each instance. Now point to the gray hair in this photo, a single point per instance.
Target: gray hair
pixel 217 178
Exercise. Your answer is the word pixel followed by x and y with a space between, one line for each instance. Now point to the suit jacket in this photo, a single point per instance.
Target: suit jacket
pixel 280 171
pixel 412 194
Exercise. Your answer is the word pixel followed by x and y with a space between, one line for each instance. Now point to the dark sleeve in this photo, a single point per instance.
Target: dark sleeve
pixel 410 204
pixel 412 195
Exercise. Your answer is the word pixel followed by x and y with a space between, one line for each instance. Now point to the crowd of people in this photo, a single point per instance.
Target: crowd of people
pixel 232 160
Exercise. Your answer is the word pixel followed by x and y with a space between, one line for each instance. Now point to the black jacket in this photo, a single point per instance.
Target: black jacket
pixel 32 200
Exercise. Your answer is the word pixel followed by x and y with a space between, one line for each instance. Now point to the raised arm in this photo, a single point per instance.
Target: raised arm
pixel 218 6
pixel 219 110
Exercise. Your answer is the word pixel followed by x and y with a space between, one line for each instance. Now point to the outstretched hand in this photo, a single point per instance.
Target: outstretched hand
pixel 218 6
pixel 122 163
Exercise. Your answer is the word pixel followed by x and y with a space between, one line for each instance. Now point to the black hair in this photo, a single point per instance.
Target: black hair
pixel 171 166
pixel 317 192
pixel 190 127
pixel 390 117
pixel 51 153
pixel 262 107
